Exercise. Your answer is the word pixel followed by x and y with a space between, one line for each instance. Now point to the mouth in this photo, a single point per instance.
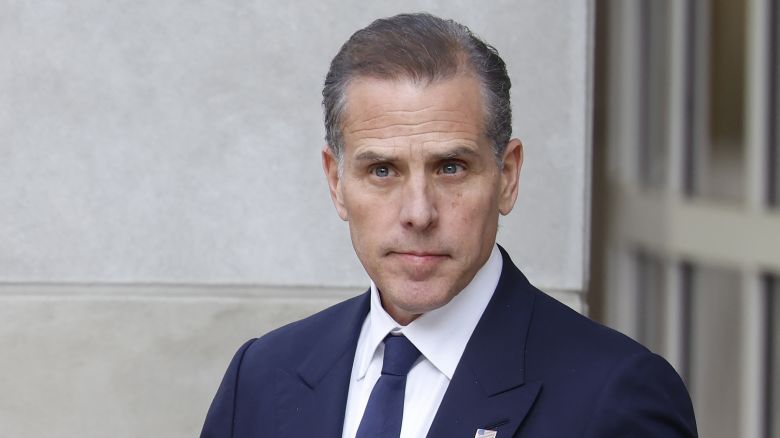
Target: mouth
pixel 415 257
pixel 417 253
pixel 418 265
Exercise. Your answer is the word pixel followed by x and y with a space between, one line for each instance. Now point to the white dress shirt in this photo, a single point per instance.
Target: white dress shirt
pixel 440 335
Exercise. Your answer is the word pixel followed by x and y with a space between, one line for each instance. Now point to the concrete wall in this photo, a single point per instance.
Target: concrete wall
pixel 161 197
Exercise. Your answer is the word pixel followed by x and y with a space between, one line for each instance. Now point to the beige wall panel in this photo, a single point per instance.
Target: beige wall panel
pixel 126 366
pixel 179 141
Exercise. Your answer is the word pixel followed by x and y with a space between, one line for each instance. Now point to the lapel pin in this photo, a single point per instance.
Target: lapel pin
pixel 484 433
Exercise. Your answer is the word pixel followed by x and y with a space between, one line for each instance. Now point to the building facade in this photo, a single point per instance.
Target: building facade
pixel 686 237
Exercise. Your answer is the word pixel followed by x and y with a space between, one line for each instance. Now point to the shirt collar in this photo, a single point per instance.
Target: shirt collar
pixel 441 335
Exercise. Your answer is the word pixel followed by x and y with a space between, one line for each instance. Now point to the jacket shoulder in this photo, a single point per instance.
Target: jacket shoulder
pixel 571 331
pixel 610 384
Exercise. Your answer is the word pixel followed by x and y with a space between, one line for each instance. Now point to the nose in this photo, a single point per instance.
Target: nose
pixel 418 208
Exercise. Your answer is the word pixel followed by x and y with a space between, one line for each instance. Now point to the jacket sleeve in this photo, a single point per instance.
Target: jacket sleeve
pixel 643 397
pixel 219 420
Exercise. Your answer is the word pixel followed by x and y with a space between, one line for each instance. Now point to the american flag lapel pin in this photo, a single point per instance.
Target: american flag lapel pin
pixel 485 433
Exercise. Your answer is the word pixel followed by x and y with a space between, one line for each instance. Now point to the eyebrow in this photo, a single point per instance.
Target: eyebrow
pixel 457 152
pixel 373 157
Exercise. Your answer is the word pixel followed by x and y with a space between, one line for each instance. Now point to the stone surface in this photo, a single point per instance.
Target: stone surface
pixel 179 141
pixel 136 362
pixel 162 201
pixel 131 361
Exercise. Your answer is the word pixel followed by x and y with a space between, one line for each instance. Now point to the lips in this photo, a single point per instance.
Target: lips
pixel 419 265
pixel 419 253
pixel 420 257
pixel 413 254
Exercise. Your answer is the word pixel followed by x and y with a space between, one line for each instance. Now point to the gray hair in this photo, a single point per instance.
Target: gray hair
pixel 422 48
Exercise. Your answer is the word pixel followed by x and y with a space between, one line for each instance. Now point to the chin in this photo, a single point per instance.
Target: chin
pixel 422 301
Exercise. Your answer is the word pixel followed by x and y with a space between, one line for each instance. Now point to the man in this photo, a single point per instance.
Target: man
pixel 451 340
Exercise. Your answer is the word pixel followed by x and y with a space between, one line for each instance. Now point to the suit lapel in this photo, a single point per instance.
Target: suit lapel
pixel 310 400
pixel 488 389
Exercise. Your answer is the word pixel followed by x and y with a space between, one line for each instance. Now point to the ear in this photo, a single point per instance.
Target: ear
pixel 510 175
pixel 331 167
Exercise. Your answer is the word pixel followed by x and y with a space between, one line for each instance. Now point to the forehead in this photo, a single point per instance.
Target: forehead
pixel 457 99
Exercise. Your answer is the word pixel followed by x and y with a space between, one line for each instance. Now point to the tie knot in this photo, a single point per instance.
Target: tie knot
pixel 400 354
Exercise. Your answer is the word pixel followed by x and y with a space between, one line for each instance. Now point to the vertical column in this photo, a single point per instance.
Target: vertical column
pixel 753 374
pixel 757 104
pixel 698 47
pixel 674 328
pixel 678 114
pixel 624 119
pixel 759 17
pixel 629 59
pixel 677 174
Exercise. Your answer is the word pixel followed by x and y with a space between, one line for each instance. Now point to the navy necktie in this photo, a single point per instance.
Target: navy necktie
pixel 385 409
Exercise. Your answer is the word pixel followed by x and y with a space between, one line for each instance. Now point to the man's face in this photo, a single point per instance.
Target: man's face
pixel 420 188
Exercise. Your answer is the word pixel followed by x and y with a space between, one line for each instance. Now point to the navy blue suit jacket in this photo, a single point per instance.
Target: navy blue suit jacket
pixel 532 368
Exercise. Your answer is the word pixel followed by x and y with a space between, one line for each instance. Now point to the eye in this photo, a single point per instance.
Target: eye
pixel 451 168
pixel 381 171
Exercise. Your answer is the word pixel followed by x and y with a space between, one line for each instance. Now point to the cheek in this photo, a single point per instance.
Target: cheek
pixel 456 200
pixel 468 216
pixel 367 222
pixel 477 216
